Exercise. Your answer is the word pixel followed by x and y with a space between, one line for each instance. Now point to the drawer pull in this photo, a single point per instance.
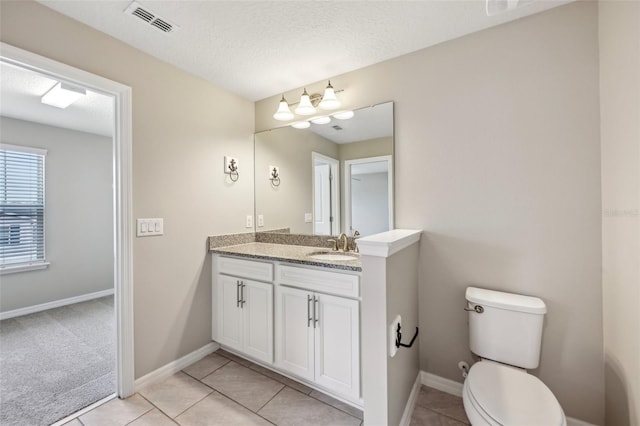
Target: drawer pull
pixel 309 318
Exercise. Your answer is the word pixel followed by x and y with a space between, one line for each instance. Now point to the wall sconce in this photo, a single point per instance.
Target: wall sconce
pixel 231 168
pixel 274 175
pixel 308 103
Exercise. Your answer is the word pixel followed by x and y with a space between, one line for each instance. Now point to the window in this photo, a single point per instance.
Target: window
pixel 21 207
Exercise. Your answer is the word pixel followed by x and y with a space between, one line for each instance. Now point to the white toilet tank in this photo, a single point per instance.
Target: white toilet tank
pixel 509 329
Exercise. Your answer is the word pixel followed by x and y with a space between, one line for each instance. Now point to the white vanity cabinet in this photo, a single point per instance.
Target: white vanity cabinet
pixel 244 306
pixel 317 334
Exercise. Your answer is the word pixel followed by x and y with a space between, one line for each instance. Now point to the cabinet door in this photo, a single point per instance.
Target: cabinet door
pixel 337 345
pixel 229 312
pixel 294 331
pixel 258 320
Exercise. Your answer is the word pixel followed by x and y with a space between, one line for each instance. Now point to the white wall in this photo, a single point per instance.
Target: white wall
pixel 620 132
pixel 497 158
pixel 78 216
pixel 183 126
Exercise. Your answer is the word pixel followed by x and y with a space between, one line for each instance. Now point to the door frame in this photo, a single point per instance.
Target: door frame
pixel 334 164
pixel 347 187
pixel 122 184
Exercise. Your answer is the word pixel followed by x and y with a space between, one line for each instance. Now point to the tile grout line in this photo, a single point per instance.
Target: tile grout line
pixel 154 406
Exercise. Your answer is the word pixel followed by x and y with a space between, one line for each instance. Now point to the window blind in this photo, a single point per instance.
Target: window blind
pixel 21 205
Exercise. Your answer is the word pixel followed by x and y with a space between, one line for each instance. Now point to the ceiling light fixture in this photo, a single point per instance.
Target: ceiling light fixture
pixel 62 95
pixel 283 113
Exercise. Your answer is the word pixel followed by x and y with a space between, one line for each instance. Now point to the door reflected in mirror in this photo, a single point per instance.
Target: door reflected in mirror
pixel 333 178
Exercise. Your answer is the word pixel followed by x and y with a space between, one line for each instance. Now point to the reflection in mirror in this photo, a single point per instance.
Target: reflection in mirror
pixel 334 178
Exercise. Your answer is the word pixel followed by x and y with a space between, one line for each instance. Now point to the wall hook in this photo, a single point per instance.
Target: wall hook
pixel 274 175
pixel 399 338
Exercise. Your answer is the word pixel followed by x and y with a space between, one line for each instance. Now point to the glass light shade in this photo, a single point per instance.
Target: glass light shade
pixel 322 119
pixel 301 125
pixel 62 95
pixel 305 107
pixel 283 113
pixel 329 100
pixel 343 115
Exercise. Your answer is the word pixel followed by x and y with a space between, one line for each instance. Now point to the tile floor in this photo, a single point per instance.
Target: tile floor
pixel 223 389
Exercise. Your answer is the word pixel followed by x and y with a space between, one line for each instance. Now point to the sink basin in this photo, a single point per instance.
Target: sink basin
pixel 331 255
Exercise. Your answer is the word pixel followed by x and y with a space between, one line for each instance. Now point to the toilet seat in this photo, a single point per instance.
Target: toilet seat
pixel 507 396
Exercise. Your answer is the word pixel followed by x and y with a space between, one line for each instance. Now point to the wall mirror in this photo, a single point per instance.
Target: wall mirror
pixel 328 178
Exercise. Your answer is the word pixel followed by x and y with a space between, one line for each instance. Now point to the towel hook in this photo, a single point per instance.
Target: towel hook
pixel 399 338
pixel 233 170
pixel 274 175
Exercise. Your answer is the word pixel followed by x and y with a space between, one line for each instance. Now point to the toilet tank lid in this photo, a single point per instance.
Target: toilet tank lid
pixel 508 301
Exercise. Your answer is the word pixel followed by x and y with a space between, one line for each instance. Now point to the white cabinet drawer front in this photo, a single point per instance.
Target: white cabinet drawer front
pixel 321 281
pixel 261 271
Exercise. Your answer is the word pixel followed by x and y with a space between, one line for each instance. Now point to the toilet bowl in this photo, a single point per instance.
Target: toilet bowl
pixel 499 395
pixel 505 331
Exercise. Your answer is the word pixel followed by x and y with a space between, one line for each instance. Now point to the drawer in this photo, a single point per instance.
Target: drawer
pixel 330 282
pixel 261 271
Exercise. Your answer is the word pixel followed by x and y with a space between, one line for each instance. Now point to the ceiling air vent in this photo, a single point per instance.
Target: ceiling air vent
pixel 336 127
pixel 135 9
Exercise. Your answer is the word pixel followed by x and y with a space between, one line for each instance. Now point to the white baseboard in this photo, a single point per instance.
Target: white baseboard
pixel 454 388
pixel 174 366
pixel 55 304
pixel 411 402
pixel 445 385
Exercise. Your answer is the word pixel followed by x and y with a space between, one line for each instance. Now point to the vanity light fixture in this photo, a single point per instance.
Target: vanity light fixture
pixel 322 119
pixel 301 125
pixel 308 103
pixel 329 100
pixel 283 113
pixel 62 95
pixel 304 106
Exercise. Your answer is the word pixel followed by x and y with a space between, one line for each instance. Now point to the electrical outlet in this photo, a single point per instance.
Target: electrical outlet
pixel 249 221
pixel 260 220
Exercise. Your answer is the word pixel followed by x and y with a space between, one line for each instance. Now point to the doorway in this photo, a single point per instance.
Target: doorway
pixel 368 195
pixel 121 184
pixel 326 195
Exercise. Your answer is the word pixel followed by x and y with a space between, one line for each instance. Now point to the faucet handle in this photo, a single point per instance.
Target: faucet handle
pixel 335 244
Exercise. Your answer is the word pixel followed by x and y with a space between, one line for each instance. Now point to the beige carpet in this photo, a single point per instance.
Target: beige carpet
pixel 56 362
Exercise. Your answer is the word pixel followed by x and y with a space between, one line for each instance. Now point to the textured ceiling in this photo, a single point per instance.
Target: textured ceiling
pixel 261 48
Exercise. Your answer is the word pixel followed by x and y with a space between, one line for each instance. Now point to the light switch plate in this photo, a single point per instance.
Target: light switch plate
pixel 249 221
pixel 308 218
pixel 149 227
pixel 260 220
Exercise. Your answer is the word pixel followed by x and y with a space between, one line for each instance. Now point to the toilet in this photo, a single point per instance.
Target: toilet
pixel 505 331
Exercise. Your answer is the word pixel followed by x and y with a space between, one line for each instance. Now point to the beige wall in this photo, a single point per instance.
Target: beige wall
pixel 78 217
pixel 290 150
pixel 182 128
pixel 620 131
pixel 497 155
pixel 364 149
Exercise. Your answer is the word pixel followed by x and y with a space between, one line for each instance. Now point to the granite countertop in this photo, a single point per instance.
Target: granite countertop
pixel 287 253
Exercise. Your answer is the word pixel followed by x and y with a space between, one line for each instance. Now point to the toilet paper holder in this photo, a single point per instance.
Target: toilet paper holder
pixel 399 338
